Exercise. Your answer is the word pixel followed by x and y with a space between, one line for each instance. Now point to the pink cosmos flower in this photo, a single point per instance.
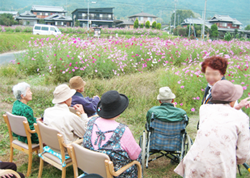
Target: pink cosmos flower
pixel 181 104
pixel 192 109
pixel 182 86
pixel 197 97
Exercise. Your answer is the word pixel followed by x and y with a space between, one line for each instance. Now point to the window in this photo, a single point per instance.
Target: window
pixel 46 13
pixel 149 19
pixel 84 15
pixel 140 18
pixel 61 23
pixel 100 15
pixel 38 13
pixel 109 16
pixel 55 23
pixel 37 27
pixel 45 28
pixel 52 29
pixel 223 24
pixel 234 25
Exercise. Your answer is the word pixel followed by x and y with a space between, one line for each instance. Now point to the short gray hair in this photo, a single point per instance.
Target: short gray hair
pixel 166 101
pixel 20 89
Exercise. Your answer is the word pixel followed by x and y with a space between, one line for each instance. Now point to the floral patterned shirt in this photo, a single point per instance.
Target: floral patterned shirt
pixel 21 109
pixel 221 143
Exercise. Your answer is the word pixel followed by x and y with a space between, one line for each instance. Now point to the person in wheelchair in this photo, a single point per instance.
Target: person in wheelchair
pixel 167 111
pixel 105 135
pixel 222 140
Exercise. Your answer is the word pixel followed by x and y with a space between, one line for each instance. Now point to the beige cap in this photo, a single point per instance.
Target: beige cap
pixel 76 82
pixel 165 93
pixel 62 93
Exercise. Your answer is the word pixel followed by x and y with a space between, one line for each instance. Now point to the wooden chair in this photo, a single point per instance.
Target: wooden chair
pixel 54 139
pixel 20 126
pixel 94 162
pixel 5 172
pixel 72 109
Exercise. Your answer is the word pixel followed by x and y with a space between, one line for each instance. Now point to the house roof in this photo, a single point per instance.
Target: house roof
pixel 9 12
pixel 47 8
pixel 198 21
pixel 126 22
pixel 93 9
pixel 225 18
pixel 143 14
pixel 58 17
pixel 27 14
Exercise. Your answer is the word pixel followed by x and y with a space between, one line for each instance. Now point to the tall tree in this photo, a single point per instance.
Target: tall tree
pixel 7 19
pixel 136 23
pixel 181 15
pixel 247 27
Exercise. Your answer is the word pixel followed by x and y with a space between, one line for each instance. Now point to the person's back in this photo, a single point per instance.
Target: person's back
pixel 106 135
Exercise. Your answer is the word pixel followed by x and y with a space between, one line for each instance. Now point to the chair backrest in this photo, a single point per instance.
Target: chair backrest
pixel 72 109
pixel 49 135
pixel 90 161
pixel 16 124
pixel 6 172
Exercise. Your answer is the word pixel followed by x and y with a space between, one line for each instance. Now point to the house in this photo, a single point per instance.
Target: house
pixel 101 17
pixel 13 13
pixel 44 11
pixel 225 21
pixel 124 24
pixel 143 18
pixel 58 20
pixel 27 18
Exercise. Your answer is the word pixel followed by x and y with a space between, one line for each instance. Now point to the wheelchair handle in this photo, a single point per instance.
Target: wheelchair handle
pixel 246 166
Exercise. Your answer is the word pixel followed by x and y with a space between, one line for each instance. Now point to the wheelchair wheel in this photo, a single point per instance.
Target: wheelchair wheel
pixel 142 144
pixel 186 145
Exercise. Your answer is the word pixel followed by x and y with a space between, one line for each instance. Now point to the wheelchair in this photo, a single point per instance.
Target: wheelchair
pixel 168 139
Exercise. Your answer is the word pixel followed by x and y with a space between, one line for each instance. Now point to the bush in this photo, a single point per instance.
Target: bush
pixel 142 25
pixel 147 24
pixel 182 32
pixel 228 37
pixel 154 25
pixel 18 29
pixel 136 24
pixel 214 31
pixel 158 26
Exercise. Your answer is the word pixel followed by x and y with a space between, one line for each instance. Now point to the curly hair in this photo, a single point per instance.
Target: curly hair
pixel 216 63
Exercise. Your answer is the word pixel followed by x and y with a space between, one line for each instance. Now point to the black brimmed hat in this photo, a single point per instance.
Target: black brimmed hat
pixel 112 104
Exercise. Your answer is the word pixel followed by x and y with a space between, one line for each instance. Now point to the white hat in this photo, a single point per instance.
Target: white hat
pixel 165 93
pixel 62 93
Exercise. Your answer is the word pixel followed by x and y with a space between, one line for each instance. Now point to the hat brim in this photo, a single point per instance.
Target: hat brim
pixel 159 97
pixel 235 96
pixel 123 104
pixel 65 97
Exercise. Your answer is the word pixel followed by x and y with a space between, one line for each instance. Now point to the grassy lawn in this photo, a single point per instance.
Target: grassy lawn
pixel 138 87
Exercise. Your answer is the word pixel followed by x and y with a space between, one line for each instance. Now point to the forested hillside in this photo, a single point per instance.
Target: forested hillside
pixel 161 8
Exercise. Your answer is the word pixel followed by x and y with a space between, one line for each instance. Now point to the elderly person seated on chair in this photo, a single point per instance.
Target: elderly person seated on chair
pixel 222 140
pixel 167 110
pixel 23 95
pixel 106 135
pixel 89 104
pixel 71 126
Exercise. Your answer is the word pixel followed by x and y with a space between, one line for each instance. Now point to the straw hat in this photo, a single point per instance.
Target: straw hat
pixel 76 82
pixel 165 93
pixel 112 104
pixel 62 93
pixel 224 91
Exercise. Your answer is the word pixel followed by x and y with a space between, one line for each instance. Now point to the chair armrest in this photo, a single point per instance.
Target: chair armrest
pixel 79 141
pixel 4 172
pixel 120 171
pixel 26 125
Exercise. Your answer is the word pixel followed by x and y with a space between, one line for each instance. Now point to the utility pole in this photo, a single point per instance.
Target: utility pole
pixel 175 13
pixel 178 19
pixel 189 27
pixel 204 18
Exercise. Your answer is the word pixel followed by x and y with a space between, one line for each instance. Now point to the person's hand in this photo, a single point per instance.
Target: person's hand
pixel 243 103
pixel 96 96
pixel 7 176
pixel 79 108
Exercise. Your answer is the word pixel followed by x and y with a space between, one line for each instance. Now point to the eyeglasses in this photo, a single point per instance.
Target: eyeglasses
pixel 212 74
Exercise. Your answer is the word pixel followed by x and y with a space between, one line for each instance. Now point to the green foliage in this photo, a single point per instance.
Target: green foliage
pixel 214 31
pixel 183 14
pixel 247 27
pixel 182 32
pixel 141 25
pixel 154 25
pixel 158 26
pixel 7 20
pixel 228 37
pixel 147 24
pixel 136 24
pixel 77 23
pixel 41 21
